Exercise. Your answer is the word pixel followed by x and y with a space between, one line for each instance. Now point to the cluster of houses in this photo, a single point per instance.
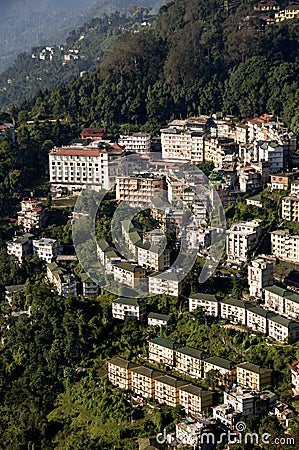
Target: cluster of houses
pixel 246 393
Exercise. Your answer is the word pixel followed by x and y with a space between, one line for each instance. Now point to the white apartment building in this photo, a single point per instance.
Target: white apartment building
pixel 194 399
pixel 166 283
pixel 107 255
pixel 128 307
pixel 222 152
pixel 273 153
pixel 290 208
pixel 241 240
pixel 138 190
pixel 249 179
pixel 233 310
pixel 295 188
pixel 285 246
pixel 64 282
pixel 224 367
pixel 150 256
pixel 20 246
pixel 162 350
pixel 289 13
pixel 89 287
pixel 128 274
pixel 189 361
pixel 257 318
pixel 77 167
pixel 136 142
pixel 260 275
pixel 47 249
pixel 32 215
pixel 253 376
pixel 156 319
pixel 282 301
pixel 283 330
pixel 207 302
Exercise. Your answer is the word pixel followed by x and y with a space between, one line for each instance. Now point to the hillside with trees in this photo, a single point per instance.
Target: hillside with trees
pixel 200 58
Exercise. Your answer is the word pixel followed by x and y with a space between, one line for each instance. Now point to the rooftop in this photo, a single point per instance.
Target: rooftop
pixel 220 362
pixel 128 301
pixel 158 316
pixel 201 296
pixel 189 351
pixel 123 363
pixel 163 342
pixel 253 368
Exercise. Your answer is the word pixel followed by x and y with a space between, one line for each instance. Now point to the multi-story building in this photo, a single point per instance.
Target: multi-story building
pixel 189 361
pixel 11 291
pixel 295 377
pixel 281 181
pixel 47 249
pixel 136 142
pixel 120 372
pixel 131 237
pixel 128 274
pixel 283 330
pixel 32 215
pixel 165 283
pixel 291 304
pixel 90 288
pixel 138 190
pixel 207 302
pixel 93 134
pixel 65 283
pixel 150 257
pixel 78 167
pixel 222 152
pixel 20 246
pixel 253 376
pixel 275 299
pixel 273 153
pixel 225 368
pixel 284 245
pixel 241 240
pixel 143 381
pixel 295 188
pixel 156 319
pixel 166 390
pixel 260 275
pixel 233 310
pixel 128 307
pixel 290 12
pixel 194 399
pixel 257 318
pixel 107 255
pixel 250 180
pixel 184 145
pixel 162 350
pixel 290 208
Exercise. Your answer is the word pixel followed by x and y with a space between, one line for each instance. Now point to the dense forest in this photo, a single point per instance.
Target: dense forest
pixel 199 58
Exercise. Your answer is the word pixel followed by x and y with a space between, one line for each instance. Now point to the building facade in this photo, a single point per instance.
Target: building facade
pixel 260 275
pixel 128 307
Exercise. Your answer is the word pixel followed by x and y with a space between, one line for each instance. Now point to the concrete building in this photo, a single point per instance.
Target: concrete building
pixel 20 246
pixel 281 181
pixel 138 190
pixel 143 381
pixel 90 288
pixel 290 208
pixel 32 215
pixel 182 144
pixel 282 301
pixel 11 291
pixel 260 275
pixel 156 319
pixel 128 274
pixel 166 283
pixel 283 330
pixel 256 200
pixel 233 310
pixel 150 257
pixel 135 142
pixel 189 361
pixel 166 390
pixel 194 399
pixel 284 245
pixel 162 350
pixel 65 283
pixel 295 377
pixel 257 318
pixel 241 240
pixel 207 302
pixel 93 134
pixel 120 372
pixel 77 167
pixel 289 13
pixel 225 368
pixel 250 180
pixel 107 255
pixel 222 152
pixel 47 249
pixel 273 153
pixel 253 376
pixel 128 307
pixel 295 188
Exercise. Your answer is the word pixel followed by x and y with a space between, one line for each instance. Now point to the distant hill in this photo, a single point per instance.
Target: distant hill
pixel 25 23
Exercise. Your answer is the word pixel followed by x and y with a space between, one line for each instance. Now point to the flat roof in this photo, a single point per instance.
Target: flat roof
pixel 190 351
pixel 253 368
pixel 220 362
pixel 201 296
pixel 165 343
pixel 121 362
pixel 128 301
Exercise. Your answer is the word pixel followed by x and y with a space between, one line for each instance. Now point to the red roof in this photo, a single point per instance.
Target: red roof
pixel 295 366
pixel 3 127
pixel 77 152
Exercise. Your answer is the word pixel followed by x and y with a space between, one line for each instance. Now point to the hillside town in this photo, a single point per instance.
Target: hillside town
pixel 252 160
